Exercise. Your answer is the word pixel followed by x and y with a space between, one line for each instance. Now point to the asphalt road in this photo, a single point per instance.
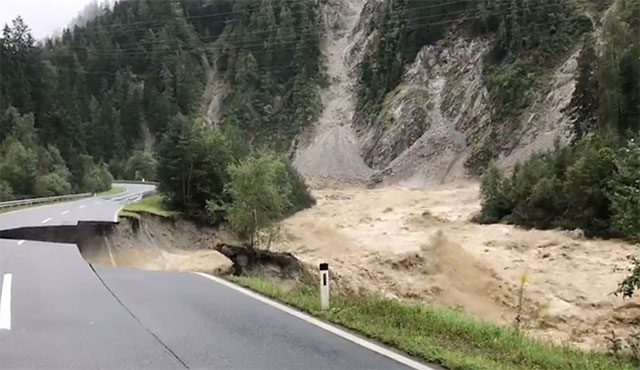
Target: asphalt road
pixel 57 312
pixel 100 208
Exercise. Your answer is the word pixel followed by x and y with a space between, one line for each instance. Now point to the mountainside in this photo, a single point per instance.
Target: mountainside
pixel 353 91
pixel 107 90
pixel 440 89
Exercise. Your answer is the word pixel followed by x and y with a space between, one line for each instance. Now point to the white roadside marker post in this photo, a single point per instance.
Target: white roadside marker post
pixel 324 286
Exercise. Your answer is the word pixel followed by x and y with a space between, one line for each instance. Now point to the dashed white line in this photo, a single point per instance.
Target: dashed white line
pixel 65 212
pixel 82 206
pixel 5 303
pixel 20 242
pixel 46 220
pixel 97 203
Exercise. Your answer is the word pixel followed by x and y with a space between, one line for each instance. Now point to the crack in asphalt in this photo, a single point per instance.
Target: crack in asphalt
pixel 138 320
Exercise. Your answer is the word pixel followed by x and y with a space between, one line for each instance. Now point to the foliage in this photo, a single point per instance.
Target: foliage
pixel 6 192
pixel 97 179
pixel 510 85
pixel 300 197
pixel 441 335
pixel 193 158
pixel 607 95
pixel 625 191
pixel 261 194
pixel 590 186
pixel 525 35
pixel 128 70
pixel 51 184
pixel 140 166
pixel 270 54
pixel 593 184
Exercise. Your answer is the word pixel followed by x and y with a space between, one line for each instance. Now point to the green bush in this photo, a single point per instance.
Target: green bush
pixel 51 184
pixel 590 186
pixel 192 162
pixel 300 196
pixel 261 194
pixel 624 192
pixel 19 167
pixel 6 193
pixel 496 202
pixel 140 166
pixel 510 87
pixel 264 189
pixel 98 179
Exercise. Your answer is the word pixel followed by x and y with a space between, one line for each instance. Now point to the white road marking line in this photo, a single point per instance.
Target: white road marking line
pixel 330 328
pixel 65 212
pixel 97 203
pixel 20 242
pixel 82 206
pixel 46 220
pixel 5 303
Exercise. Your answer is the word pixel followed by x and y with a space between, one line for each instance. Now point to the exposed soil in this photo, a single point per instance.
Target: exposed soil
pixel 155 243
pixel 417 244
pixel 329 152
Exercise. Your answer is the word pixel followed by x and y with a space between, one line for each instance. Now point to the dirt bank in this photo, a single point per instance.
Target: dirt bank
pixel 155 243
pixel 417 244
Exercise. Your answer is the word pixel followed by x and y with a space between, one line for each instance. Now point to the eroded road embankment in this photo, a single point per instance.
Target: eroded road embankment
pixel 67 313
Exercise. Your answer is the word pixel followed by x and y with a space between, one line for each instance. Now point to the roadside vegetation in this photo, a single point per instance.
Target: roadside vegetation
pixel 209 176
pixel 439 335
pixel 154 205
pixel 113 191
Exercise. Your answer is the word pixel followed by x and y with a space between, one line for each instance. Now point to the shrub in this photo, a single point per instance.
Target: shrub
pixel 6 193
pixel 51 184
pixel 97 179
pixel 263 189
pixel 590 186
pixel 624 192
pixel 300 196
pixel 140 166
pixel 261 194
pixel 193 158
pixel 495 198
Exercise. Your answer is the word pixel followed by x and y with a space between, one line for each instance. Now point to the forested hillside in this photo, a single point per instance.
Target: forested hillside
pixel 593 184
pixel 98 96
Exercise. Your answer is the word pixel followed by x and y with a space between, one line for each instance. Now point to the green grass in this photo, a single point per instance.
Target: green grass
pixel 154 205
pixel 113 191
pixel 439 335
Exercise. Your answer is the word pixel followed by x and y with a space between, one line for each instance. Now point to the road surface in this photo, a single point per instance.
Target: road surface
pixel 101 208
pixel 57 311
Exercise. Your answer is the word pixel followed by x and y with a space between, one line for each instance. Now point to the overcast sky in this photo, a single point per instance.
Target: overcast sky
pixel 43 16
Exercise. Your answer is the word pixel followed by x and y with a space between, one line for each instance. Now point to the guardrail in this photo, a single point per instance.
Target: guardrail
pixel 135 182
pixel 28 202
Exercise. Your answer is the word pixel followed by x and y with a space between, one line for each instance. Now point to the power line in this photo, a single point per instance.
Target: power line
pixel 314 32
pixel 431 6
pixel 268 69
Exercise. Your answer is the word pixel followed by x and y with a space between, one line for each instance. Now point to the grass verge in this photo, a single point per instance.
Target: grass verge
pixel 113 191
pixel 439 335
pixel 154 205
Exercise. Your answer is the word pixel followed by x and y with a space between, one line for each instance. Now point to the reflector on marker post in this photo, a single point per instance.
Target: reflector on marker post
pixel 324 286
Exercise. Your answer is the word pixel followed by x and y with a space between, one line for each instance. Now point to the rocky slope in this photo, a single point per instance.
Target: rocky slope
pixel 436 123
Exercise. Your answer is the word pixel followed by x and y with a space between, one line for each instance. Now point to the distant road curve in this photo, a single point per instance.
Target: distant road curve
pixel 100 208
